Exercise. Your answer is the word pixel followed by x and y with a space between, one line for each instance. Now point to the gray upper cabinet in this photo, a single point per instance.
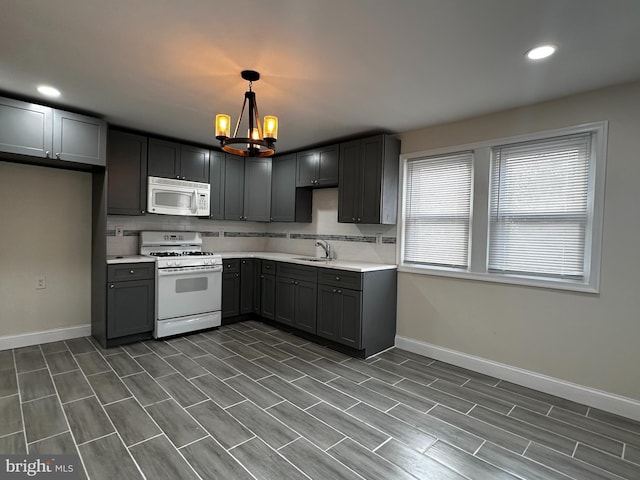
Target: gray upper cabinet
pixel 247 189
pixel 288 203
pixel 194 163
pixel 175 160
pixel 43 132
pixel 234 188
pixel 79 139
pixel 127 173
pixel 368 190
pixel 25 128
pixel 318 167
pixel 216 180
pixel 257 189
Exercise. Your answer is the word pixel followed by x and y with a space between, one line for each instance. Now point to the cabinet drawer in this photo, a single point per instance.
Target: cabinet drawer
pixel 130 271
pixel 340 278
pixel 231 266
pixel 268 267
pixel 298 272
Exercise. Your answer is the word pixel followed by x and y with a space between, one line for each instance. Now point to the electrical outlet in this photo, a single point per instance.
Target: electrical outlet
pixel 119 231
pixel 41 282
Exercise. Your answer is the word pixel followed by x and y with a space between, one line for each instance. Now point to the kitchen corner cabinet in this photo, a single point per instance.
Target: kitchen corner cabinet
pixel 127 173
pixel 368 180
pixel 357 309
pixel 296 296
pixel 288 203
pixel 247 188
pixel 176 160
pixel 130 302
pixel 44 132
pixel 318 167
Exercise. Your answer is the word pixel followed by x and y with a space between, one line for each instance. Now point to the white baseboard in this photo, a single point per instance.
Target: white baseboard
pixel 45 336
pixel 610 402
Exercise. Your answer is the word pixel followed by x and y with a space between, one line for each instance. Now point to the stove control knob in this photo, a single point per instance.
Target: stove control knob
pixel 177 263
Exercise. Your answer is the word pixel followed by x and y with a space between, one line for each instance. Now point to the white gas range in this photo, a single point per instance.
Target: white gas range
pixel 188 282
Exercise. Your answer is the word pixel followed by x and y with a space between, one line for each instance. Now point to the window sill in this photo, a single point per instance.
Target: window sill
pixel 501 278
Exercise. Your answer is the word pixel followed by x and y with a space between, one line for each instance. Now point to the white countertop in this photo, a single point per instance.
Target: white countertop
pixel 112 259
pixel 294 258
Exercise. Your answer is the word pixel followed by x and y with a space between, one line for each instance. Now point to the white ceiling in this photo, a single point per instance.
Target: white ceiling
pixel 330 68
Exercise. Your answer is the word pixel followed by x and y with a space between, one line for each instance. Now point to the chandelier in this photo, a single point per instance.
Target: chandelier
pixel 259 142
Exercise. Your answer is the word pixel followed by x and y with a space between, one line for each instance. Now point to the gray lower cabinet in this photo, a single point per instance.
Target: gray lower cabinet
pixel 38 131
pixel 288 202
pixel 240 287
pixel 268 289
pixel 130 301
pixel 357 310
pixel 127 173
pixel 249 286
pixel 230 288
pixel 340 315
pixel 296 296
pixel 368 187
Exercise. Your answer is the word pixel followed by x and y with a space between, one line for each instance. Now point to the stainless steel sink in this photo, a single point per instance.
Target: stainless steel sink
pixel 313 259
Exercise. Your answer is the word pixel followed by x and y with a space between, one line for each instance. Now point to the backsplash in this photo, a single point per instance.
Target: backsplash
pixel 373 243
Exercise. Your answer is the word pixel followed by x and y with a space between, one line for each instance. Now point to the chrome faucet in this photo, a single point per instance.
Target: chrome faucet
pixel 326 247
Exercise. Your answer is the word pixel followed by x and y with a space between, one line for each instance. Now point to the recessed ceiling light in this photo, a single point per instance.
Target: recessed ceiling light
pixel 543 51
pixel 49 91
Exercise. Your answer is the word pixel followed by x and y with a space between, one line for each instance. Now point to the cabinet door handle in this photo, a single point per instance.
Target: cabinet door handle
pixel 261 276
pixel 131 272
pixel 353 219
pixel 178 177
pixel 334 290
pixel 340 292
pixel 267 267
pixel 237 275
pixel 297 283
pixel 338 279
pixel 358 218
pixel 142 211
pixel 244 262
pixel 112 286
pixel 47 153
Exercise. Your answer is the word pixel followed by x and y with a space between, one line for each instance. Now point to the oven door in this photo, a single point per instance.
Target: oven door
pixel 188 291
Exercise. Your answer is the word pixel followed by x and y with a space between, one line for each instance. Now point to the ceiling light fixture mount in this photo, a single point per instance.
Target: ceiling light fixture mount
pixel 255 144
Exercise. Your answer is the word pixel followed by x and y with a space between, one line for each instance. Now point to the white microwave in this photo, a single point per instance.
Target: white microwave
pixel 177 197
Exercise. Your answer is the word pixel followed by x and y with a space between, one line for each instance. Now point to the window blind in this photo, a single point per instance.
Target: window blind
pixel 437 210
pixel 539 207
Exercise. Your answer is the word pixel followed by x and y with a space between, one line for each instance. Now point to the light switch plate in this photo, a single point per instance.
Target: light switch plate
pixel 119 231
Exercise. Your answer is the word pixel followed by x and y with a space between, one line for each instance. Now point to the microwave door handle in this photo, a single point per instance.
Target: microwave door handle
pixel 194 202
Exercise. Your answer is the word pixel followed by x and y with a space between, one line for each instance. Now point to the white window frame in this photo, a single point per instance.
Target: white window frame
pixel 479 228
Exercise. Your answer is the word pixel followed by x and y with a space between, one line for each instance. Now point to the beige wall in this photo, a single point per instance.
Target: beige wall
pixel 592 340
pixel 45 225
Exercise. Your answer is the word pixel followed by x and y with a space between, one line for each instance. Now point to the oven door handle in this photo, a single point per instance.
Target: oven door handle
pixel 162 272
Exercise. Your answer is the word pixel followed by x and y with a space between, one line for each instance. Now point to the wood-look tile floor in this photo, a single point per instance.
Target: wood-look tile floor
pixel 247 401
